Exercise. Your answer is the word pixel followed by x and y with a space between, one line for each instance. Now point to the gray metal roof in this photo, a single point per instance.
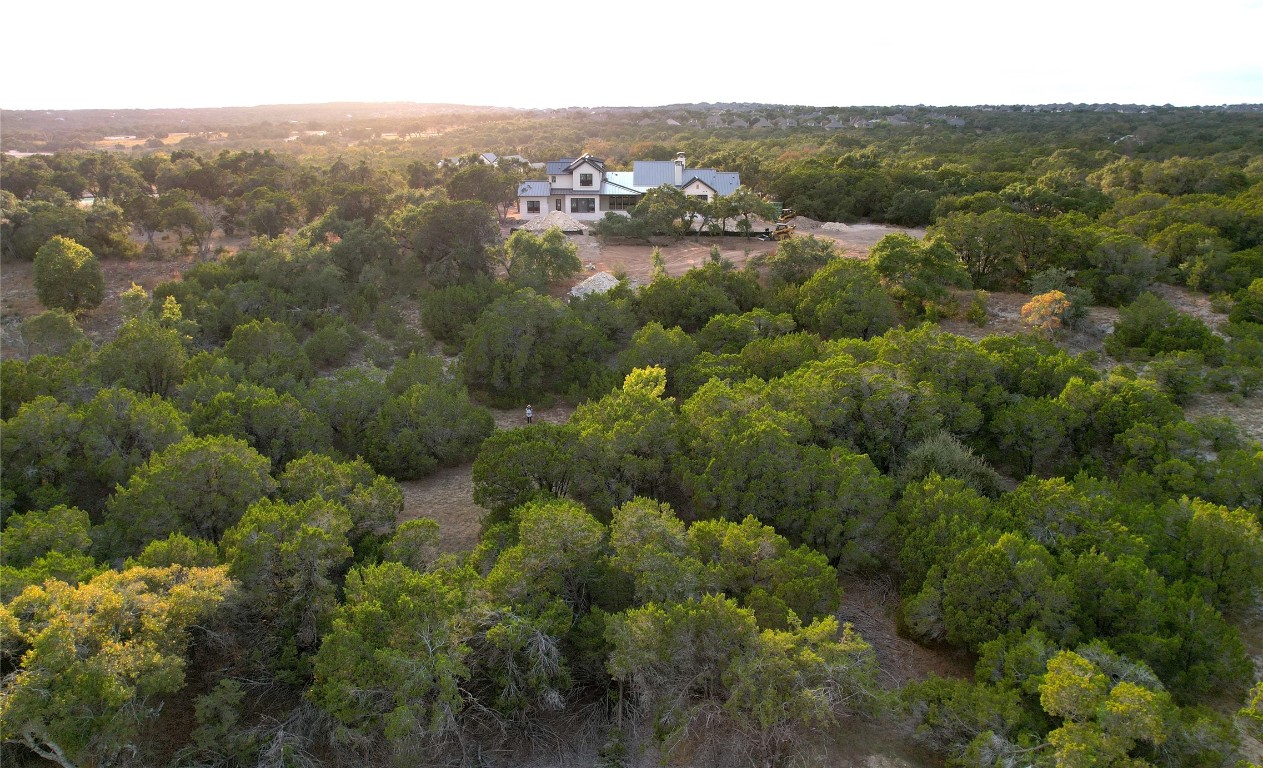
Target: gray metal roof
pixel 533 189
pixel 723 182
pixel 689 179
pixel 568 164
pixel 619 183
pixel 644 176
pixel 653 173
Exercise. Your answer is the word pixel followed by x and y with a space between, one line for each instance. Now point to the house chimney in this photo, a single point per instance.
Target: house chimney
pixel 679 169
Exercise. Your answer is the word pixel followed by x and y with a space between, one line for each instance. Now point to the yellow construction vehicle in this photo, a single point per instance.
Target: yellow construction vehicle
pixel 782 231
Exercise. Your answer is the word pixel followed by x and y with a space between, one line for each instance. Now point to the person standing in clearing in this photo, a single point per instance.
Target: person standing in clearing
pixel 529 413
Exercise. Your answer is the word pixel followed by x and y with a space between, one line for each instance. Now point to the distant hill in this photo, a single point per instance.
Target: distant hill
pixel 67 126
pixel 58 130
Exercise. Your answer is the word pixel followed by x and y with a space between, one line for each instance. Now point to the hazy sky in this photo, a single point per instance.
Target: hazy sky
pixel 143 53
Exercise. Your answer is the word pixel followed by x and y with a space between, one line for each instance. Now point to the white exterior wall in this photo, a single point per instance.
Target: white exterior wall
pixel 595 215
pixel 543 207
pixel 696 187
pixel 572 181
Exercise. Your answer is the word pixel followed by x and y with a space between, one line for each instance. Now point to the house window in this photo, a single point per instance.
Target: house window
pixel 552 179
pixel 703 198
pixel 558 203
pixel 622 202
pixel 532 206
pixel 583 205
pixel 585 179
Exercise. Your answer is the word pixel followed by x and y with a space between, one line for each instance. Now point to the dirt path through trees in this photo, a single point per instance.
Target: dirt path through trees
pixel 447 496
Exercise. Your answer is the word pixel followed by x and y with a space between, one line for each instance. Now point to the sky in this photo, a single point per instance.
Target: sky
pixel 128 54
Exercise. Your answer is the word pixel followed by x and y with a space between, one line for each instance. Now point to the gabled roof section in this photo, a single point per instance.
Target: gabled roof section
pixel 699 179
pixel 644 176
pixel 533 189
pixel 596 162
pixel 556 167
pixel 648 174
pixel 723 182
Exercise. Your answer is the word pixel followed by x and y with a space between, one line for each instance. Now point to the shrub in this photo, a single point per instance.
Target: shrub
pixel 67 276
pixel 1153 326
pixel 53 332
pixel 977 312
pixel 332 343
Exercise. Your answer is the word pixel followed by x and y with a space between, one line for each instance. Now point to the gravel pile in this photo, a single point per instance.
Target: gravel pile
pixel 802 222
pixel 834 226
pixel 598 283
pixel 558 219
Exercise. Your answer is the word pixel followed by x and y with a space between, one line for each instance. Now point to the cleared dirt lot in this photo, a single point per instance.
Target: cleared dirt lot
pixel 18 300
pixel 635 259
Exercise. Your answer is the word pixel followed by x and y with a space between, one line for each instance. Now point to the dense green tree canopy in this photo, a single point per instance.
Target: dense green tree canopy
pixel 448 240
pixel 656 577
pixel 538 261
pixel 199 486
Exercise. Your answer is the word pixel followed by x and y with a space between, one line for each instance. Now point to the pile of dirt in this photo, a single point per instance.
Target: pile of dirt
pixel 598 283
pixel 803 222
pixel 834 226
pixel 558 219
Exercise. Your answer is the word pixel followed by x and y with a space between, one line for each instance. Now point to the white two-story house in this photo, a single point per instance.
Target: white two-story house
pixel 582 188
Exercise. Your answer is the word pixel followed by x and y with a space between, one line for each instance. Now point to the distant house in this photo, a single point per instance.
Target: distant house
pixel 583 188
pixel 738 123
pixel 487 158
pixel 672 121
pixel 762 122
pixel 515 159
pixel 716 121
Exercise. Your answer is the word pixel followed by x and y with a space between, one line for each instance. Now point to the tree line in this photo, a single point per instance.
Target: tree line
pixel 201 514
